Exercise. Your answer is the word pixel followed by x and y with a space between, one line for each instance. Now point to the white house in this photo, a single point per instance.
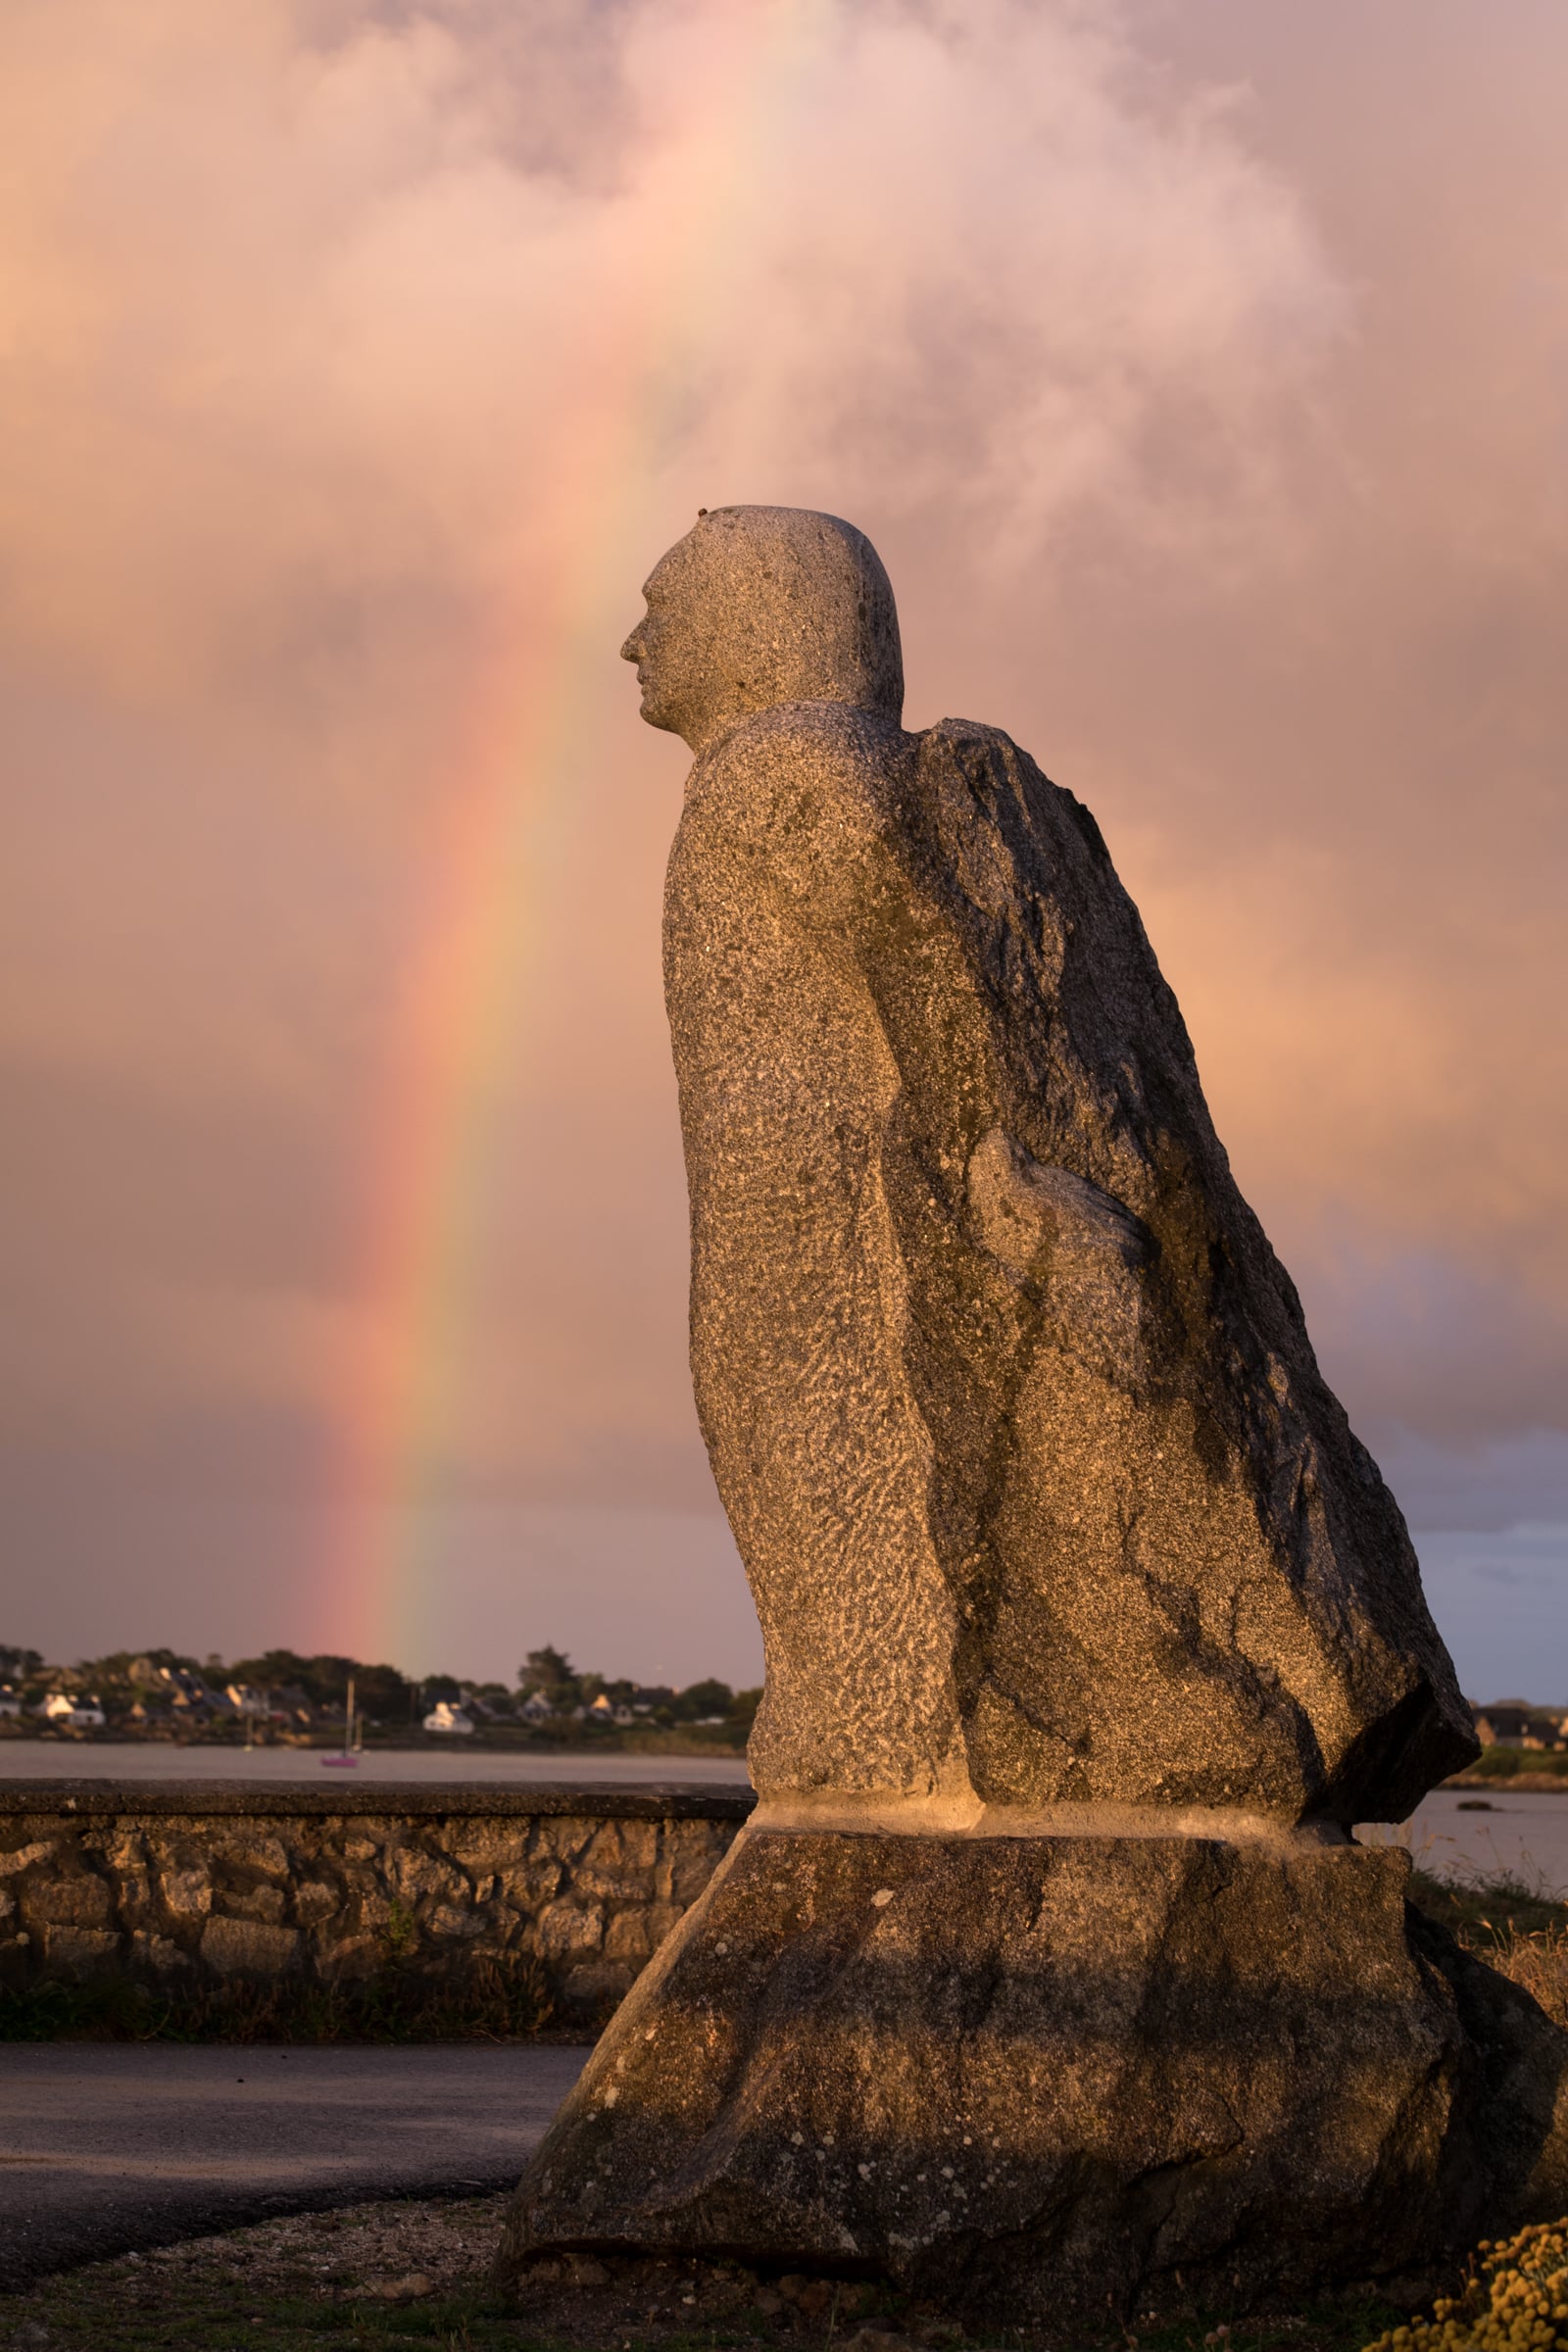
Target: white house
pixel 446 1718
pixel 77 1714
pixel 536 1709
pixel 607 1710
pixel 10 1700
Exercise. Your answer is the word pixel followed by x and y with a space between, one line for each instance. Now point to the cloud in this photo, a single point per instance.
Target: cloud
pixel 364 358
pixel 315 304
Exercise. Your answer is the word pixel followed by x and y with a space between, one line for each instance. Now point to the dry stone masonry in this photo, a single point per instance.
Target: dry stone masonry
pixel 209 1882
pixel 1046 1977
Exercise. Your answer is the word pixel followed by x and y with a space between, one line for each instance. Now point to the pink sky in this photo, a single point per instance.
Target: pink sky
pixel 1201 372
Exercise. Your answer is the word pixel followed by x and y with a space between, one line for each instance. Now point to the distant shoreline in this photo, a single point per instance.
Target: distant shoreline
pixel 490 1740
pixel 1501 1784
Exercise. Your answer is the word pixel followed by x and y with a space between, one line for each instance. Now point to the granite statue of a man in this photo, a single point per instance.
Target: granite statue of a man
pixel 1012 1410
pixel 1046 1973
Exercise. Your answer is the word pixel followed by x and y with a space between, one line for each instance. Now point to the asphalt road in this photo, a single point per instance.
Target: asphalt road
pixel 106 2147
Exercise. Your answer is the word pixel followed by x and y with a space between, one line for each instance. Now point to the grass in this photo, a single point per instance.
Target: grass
pixel 381 2275
pixel 1481 1908
pixel 1342 2324
pixel 498 2001
pixel 377 2277
pixel 214 2319
pixel 1513 1925
pixel 1501 1763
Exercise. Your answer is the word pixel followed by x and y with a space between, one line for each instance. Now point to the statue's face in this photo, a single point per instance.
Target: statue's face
pixel 760 606
pixel 673 648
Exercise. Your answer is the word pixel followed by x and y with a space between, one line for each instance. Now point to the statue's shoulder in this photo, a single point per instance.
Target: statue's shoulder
pixel 797 768
pixel 797 795
pixel 792 736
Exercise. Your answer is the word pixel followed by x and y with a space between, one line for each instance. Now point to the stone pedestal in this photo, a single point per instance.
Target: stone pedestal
pixel 1029 2075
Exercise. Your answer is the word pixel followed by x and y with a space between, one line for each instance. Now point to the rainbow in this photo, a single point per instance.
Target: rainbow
pixel 460 1026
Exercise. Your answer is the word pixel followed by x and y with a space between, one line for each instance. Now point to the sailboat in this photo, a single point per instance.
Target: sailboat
pixel 350 1751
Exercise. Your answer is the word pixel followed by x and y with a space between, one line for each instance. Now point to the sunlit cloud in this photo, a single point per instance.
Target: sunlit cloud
pixel 366 356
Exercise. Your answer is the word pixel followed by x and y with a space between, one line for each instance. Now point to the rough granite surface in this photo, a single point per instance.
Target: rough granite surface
pixel 1039 2077
pixel 1039 1491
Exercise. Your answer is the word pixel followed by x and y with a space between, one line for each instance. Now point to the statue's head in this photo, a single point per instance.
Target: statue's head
pixel 765 604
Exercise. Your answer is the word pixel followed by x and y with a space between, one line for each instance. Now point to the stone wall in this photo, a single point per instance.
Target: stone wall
pixel 209 1881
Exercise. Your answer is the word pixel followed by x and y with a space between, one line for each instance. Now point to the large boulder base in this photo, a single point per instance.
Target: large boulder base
pixel 1047 2076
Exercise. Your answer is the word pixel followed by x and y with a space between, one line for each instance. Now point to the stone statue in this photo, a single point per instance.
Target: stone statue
pixel 1046 1981
pixel 1039 1491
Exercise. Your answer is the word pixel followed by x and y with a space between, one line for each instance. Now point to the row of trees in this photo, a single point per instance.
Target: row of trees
pixel 124 1679
pixel 549 1674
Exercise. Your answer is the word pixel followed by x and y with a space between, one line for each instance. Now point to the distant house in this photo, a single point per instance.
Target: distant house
pixel 10 1700
pixel 185 1691
pixel 72 1712
pixel 444 1717
pixel 1512 1724
pixel 536 1709
pixel 605 1709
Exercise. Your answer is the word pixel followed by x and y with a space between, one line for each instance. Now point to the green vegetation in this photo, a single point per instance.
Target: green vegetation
pixel 1502 1763
pixel 285 1696
pixel 381 1693
pixel 386 2276
pixel 413 2273
pixel 83 2310
pixel 1485 1910
pixel 1518 1928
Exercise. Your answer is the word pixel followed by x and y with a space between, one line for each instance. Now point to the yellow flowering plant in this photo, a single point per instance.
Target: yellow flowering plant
pixel 1516 2300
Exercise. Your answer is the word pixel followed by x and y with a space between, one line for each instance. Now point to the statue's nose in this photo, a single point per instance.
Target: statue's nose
pixel 632 650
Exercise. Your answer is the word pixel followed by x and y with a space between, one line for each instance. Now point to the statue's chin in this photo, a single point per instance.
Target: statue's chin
pixel 659 715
